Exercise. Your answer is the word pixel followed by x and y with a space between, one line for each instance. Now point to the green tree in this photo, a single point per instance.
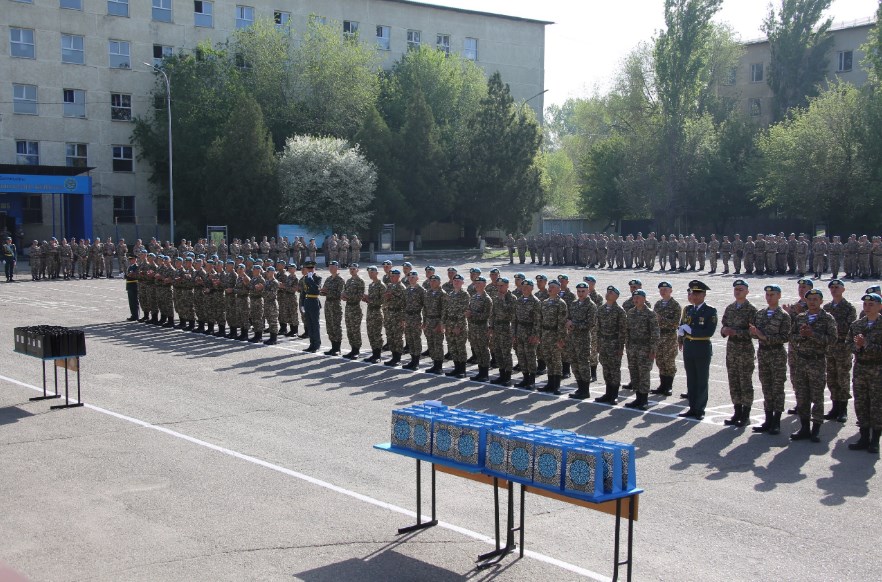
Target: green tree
pixel 799 46
pixel 500 178
pixel 601 172
pixel 873 48
pixel 381 146
pixel 326 183
pixel 561 184
pixel 240 173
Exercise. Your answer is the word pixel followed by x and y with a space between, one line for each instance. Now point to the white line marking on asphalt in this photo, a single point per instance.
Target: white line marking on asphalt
pixel 326 485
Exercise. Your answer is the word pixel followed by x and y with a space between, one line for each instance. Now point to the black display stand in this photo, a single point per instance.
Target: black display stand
pixel 51 344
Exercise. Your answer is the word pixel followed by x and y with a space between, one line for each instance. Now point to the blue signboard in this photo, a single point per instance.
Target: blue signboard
pixel 294 230
pixel 27 184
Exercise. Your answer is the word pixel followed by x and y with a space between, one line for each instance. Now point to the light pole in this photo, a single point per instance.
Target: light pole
pixel 171 188
pixel 531 98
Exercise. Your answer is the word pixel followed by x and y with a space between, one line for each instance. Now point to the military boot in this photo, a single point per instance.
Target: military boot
pixel 843 411
pixel 566 370
pixel 526 382
pixel 735 417
pixel 273 339
pixel 640 402
pixel 594 373
pixel 541 367
pixel 804 431
pixel 233 334
pixel 145 318
pixel 335 349
pixel 396 359
pixel 504 379
pixel 582 392
pixel 292 332
pixel 374 357
pixel 834 411
pixel 436 367
pixel 170 322
pixel 200 328
pixel 258 335
pixel 482 375
pixel 472 360
pixel 221 330
pixel 303 335
pixel 353 353
pixel 816 432
pixel 775 427
pixel 874 441
pixel 413 364
pixel 744 419
pixel 863 441
pixel 209 330
pixel 764 427
pixel 610 397
pixel 243 334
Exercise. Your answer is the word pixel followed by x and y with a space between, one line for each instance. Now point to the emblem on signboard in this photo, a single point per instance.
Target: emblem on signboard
pixel 70 184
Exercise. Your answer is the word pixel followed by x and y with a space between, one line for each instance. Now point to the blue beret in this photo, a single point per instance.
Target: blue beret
pixel 740 282
pixel 475 270
pixel 581 285
pixel 835 282
pixel 434 278
pixel 563 277
pixel 333 264
pixel 142 252
pixel 665 285
pixel 554 282
pixel 394 272
pixel 589 279
pixel 528 282
pixel 257 267
pixel 387 263
pixel 520 276
pixel 775 288
pixel 494 270
pixel 541 277
pixel 614 290
pixel 635 282
pixel 815 292
pixel 372 268
pixel 457 277
pixel 451 269
pixel 502 280
pixel 874 289
pixel 639 292
pixel 270 269
pixel 430 268
pixel 480 280
pixel 808 282
pixel 151 255
pixel 872 297
pixel 407 264
pixel 230 262
pixel 178 259
pixel 210 261
pixel 353 265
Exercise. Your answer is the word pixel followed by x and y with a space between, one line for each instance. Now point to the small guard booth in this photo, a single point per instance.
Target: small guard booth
pixel 67 189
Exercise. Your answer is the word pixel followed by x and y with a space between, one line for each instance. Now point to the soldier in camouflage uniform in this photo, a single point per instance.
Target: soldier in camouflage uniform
pixel 434 303
pixel 227 285
pixel 581 319
pixel 214 298
pixel 772 330
pixel 713 250
pixel 668 312
pixel 737 319
pixel 865 340
pixel 374 298
pixel 393 316
pixel 200 281
pixel 813 331
pixel 67 255
pixel 612 331
pixel 552 338
pixel 35 258
pixel 597 299
pixel 242 310
pixel 834 253
pixel 527 321
pixel 289 314
pixel 454 321
pixel 839 352
pixel 165 279
pixel 184 293
pixel 500 334
pixel 414 304
pixel 256 285
pixel 478 314
pixel 353 293
pixel 271 305
pixel 332 291
pixel 147 287
pixel 642 339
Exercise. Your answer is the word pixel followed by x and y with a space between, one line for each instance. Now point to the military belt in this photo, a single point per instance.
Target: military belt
pixel 256 295
pixel 811 357
pixel 770 348
pixel 312 296
pixel 549 328
pixel 696 339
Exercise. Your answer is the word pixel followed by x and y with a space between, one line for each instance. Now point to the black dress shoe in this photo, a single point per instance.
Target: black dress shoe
pixel 684 395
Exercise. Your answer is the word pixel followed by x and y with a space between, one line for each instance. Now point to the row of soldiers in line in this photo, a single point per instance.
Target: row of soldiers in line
pixel 765 254
pixel 554 330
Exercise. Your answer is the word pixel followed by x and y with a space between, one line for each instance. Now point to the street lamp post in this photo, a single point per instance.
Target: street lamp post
pixel 171 188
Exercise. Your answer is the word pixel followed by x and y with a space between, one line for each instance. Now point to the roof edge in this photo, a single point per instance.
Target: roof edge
pixel 470 11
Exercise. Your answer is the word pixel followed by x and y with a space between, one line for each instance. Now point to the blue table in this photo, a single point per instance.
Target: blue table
pixel 623 504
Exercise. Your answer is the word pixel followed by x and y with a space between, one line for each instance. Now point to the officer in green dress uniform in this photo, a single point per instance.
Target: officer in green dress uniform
pixel 697 326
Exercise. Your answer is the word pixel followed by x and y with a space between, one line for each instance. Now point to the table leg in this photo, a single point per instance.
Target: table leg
pixel 45 396
pixel 67 403
pixel 419 502
pixel 487 560
pixel 521 528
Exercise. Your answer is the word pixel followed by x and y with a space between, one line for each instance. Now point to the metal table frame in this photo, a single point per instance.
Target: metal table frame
pixel 45 396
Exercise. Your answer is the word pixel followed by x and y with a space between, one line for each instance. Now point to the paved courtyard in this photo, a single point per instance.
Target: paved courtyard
pixel 199 458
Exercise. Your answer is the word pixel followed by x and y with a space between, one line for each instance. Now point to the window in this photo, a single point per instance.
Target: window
pixel 119 54
pixel 350 29
pixel 384 34
pixel 24 99
pixel 74 103
pixel 755 107
pixel 76 155
pixel 244 16
pixel 123 159
pixel 72 49
pixel 756 73
pixel 318 19
pixel 32 207
pixel 21 43
pixel 124 209
pixel 27 153
pixel 72 4
pixel 282 19
pixel 731 77
pixel 162 10
pixel 118 7
pixel 203 13
pixel 470 49
pixel 846 58
pixel 442 43
pixel 242 62
pixel 160 52
pixel 413 39
pixel 120 107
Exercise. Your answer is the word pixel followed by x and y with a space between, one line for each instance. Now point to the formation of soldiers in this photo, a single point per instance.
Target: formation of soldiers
pixel 86 258
pixel 549 326
pixel 765 254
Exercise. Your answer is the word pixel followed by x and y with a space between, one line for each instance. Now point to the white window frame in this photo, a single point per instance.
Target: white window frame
pixel 118 103
pixel 73 49
pixel 122 50
pixel 118 8
pixel 26 48
pixel 842 58
pixel 350 29
pixel 162 10
pixel 470 53
pixel 323 20
pixel 166 51
pixel 203 13
pixel 384 37
pixel 74 152
pixel 282 18
pixel 757 68
pixel 71 4
pixel 24 99
pixel 244 16
pixel 31 154
pixel 126 201
pixel 74 103
pixel 755 107
pixel 119 154
pixel 442 43
pixel 414 39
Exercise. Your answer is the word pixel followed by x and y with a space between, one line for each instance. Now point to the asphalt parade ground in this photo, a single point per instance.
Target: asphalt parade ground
pixel 200 458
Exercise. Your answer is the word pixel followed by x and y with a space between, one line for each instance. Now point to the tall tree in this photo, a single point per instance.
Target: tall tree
pixel 381 146
pixel 499 171
pixel 873 47
pixel 241 187
pixel 326 183
pixel 682 53
pixel 799 47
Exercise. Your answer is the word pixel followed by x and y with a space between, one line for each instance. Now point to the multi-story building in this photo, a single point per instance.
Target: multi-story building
pixel 73 76
pixel 749 81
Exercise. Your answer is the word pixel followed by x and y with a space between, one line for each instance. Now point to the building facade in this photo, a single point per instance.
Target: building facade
pixel 749 81
pixel 73 76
